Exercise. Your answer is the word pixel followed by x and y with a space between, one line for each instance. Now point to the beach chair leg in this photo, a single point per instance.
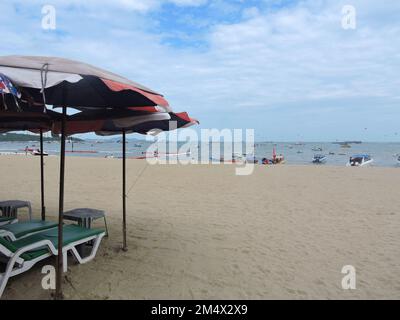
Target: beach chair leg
pixel 30 211
pixel 6 275
pixel 65 261
pixel 3 282
pixel 93 252
pixel 105 223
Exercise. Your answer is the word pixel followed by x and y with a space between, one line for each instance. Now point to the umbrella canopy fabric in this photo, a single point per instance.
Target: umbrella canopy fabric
pixel 18 115
pixel 30 121
pixel 108 121
pixel 72 83
pixel 15 115
pixel 178 121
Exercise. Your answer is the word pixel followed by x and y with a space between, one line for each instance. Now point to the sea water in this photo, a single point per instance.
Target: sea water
pixel 384 154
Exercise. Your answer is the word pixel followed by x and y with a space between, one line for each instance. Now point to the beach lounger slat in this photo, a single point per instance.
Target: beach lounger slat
pixel 23 229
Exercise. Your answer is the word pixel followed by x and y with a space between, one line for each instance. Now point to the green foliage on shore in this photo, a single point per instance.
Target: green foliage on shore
pixel 16 137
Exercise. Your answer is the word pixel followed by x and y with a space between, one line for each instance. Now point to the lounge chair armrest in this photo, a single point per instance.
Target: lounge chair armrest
pixel 37 245
pixel 8 234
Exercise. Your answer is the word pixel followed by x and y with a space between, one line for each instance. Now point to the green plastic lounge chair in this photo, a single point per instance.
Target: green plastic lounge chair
pixel 24 253
pixel 7 220
pixel 24 229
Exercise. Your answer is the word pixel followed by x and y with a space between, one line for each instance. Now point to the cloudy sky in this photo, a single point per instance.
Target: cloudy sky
pixel 286 68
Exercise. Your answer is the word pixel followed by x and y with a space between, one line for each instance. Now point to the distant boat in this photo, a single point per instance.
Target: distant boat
pixel 238 158
pixel 279 160
pixel 398 160
pixel 345 145
pixel 316 149
pixel 38 153
pixel 331 153
pixel 347 142
pixel 319 159
pixel 299 152
pixel 82 151
pixel 360 160
pixel 156 154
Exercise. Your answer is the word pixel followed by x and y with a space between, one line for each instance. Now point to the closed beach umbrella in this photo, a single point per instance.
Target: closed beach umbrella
pixel 67 83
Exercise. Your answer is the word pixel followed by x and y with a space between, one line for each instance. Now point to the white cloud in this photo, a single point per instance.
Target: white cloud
pixel 250 12
pixel 142 6
pixel 295 57
pixel 194 3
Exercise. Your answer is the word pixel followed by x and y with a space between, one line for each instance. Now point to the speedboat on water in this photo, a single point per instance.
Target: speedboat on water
pixel 38 153
pixel 360 160
pixel 319 159
pixel 236 158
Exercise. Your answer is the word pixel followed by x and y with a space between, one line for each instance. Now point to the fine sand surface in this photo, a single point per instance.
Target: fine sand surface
pixel 201 232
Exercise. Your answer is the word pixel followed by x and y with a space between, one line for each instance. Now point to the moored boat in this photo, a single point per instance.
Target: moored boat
pixel 38 153
pixel 360 160
pixel 319 159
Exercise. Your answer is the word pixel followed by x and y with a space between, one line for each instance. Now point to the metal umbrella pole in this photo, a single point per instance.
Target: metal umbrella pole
pixel 59 268
pixel 124 246
pixel 42 176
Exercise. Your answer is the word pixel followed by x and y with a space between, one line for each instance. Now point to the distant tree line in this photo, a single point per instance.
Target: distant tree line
pixel 17 137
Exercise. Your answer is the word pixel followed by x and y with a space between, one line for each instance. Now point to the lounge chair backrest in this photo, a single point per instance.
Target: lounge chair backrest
pixel 7 244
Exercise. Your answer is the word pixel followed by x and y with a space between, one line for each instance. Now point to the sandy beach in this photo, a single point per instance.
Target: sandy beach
pixel 201 232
